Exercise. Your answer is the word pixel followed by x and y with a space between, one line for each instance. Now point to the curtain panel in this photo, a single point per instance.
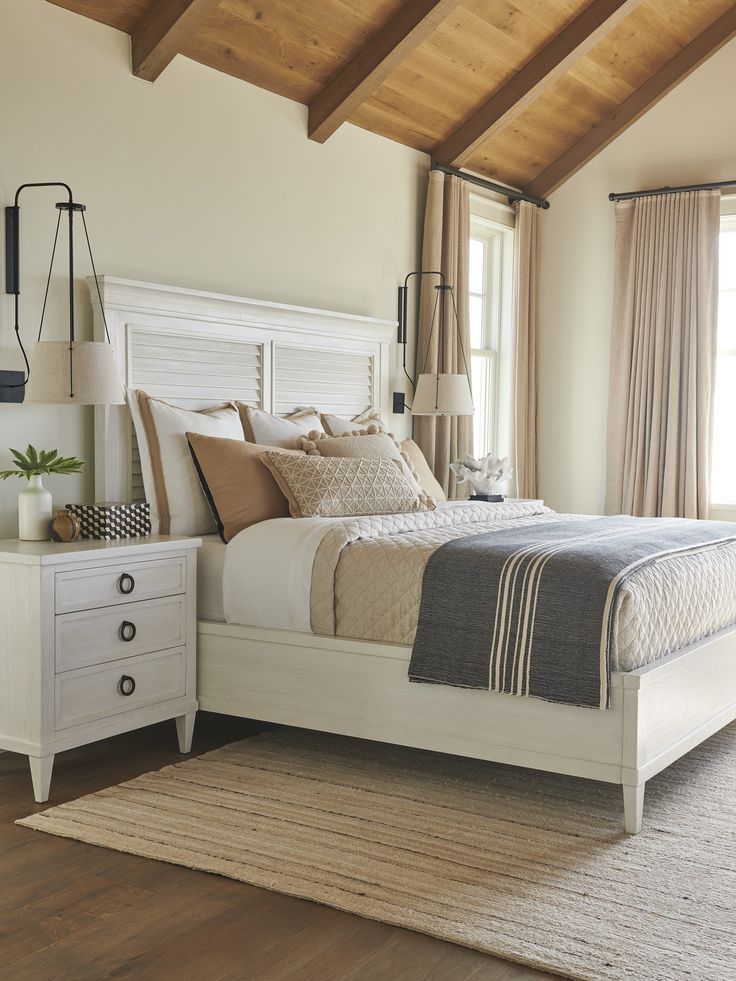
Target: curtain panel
pixel 445 247
pixel 663 353
pixel 526 279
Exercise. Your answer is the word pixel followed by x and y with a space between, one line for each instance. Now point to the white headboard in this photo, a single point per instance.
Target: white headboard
pixel 199 349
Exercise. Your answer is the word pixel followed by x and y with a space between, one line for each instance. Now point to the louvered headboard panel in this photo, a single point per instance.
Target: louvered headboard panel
pixel 190 371
pixel 202 349
pixel 341 382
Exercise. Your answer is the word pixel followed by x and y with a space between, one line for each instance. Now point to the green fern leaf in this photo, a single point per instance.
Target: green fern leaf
pixel 33 462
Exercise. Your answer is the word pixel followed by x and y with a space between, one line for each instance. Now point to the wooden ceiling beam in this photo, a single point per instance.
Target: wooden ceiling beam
pixel 162 32
pixel 639 102
pixel 569 46
pixel 414 22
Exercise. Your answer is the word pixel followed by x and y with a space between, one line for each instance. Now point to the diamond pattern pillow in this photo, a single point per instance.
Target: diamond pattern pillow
pixel 338 487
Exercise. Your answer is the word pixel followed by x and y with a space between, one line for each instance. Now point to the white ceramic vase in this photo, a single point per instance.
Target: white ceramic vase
pixel 34 512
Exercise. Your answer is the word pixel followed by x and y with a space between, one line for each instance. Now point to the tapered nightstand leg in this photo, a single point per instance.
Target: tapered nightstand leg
pixel 185 731
pixel 41 768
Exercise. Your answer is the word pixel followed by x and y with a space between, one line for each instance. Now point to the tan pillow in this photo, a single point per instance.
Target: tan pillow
pixel 369 444
pixel 240 490
pixel 172 487
pixel 328 487
pixel 427 480
pixel 282 431
pixel 339 426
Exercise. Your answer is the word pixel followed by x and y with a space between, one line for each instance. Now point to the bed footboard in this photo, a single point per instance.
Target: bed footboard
pixel 360 688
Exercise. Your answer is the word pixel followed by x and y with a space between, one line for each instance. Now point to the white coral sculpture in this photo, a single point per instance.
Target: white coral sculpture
pixel 489 475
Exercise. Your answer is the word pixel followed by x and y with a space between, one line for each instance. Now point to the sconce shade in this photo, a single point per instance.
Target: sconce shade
pixel 94 380
pixel 443 395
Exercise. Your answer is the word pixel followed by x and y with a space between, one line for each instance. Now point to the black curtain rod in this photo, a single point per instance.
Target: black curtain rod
pixel 491 186
pixel 630 195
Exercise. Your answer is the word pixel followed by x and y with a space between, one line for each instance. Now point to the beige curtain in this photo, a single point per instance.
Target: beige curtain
pixel 663 354
pixel 526 277
pixel 443 439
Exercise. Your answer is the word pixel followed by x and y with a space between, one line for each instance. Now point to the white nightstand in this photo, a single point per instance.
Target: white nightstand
pixel 96 638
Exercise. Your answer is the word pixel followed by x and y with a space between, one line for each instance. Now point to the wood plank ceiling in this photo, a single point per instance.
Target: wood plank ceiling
pixel 521 91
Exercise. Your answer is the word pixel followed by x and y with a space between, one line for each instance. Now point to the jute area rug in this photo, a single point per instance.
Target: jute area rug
pixel 530 866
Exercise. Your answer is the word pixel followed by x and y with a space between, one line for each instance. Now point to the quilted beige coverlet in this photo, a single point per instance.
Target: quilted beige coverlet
pixel 367 578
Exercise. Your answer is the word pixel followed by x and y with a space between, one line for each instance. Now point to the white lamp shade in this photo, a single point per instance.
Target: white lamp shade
pixel 443 395
pixel 94 379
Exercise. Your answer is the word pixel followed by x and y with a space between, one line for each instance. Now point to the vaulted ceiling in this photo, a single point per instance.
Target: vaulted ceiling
pixel 521 91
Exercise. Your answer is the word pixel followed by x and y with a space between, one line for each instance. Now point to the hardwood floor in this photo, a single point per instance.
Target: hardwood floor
pixel 75 912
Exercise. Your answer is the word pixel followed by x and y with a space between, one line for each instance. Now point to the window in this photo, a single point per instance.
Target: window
pixel 491 333
pixel 723 471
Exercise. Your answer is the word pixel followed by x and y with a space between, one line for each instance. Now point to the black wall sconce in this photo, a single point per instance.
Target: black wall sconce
pixel 437 392
pixel 71 371
pixel 399 399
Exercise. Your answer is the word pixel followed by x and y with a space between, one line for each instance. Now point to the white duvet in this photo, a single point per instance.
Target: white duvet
pixel 268 572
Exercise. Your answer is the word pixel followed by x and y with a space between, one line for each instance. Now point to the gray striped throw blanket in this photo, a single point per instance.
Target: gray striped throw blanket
pixel 529 611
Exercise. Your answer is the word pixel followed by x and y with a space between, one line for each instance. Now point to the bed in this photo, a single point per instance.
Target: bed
pixel 281 670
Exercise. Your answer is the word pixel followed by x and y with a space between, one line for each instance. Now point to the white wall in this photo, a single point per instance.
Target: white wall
pixel 200 180
pixel 688 138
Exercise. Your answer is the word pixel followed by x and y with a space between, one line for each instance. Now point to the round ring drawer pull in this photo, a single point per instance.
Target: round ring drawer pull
pixel 126 685
pixel 126 583
pixel 127 631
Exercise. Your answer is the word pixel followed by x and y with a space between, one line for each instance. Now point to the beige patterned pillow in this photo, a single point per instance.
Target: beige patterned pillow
pixel 332 487
pixel 370 443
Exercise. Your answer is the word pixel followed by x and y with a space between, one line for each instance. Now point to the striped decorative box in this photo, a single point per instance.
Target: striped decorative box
pixel 109 521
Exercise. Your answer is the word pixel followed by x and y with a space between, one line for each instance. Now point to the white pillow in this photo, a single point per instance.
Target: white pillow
pixel 339 426
pixel 173 489
pixel 281 431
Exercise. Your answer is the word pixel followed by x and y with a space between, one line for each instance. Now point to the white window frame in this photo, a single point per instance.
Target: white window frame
pixel 494 223
pixel 728 220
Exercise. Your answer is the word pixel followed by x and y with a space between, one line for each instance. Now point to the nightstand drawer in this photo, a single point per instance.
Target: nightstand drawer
pixel 89 588
pixel 99 636
pixel 97 693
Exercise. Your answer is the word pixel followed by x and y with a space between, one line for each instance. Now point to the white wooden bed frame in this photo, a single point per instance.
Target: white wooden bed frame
pixel 198 349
